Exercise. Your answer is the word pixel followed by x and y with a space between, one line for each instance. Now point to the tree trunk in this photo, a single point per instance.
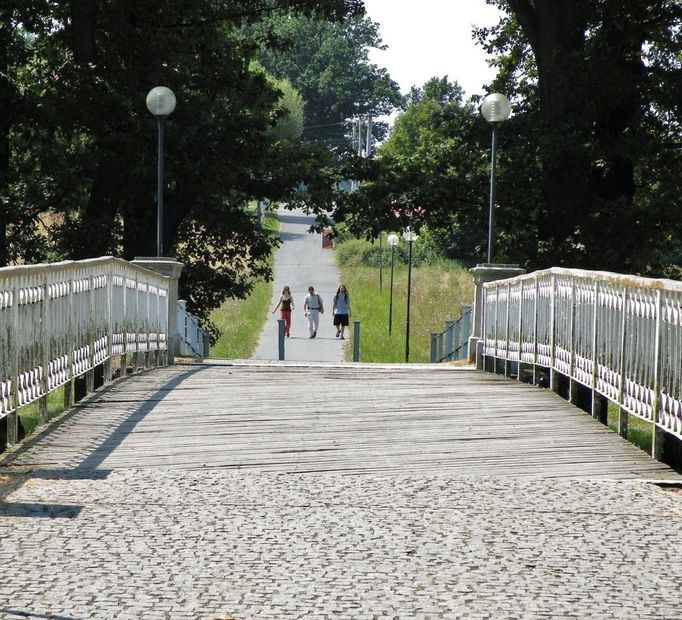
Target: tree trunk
pixel 556 32
pixel 97 232
pixel 589 96
pixel 84 29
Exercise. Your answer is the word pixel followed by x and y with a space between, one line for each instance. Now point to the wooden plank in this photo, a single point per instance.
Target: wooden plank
pixel 352 420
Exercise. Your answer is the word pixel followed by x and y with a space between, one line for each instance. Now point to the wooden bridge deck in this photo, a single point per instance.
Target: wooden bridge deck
pixel 340 419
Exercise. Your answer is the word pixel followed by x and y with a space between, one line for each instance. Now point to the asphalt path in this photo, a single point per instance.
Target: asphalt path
pixel 301 261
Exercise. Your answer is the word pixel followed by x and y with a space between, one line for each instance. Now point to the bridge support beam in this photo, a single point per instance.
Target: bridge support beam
pixel 600 407
pixel 172 269
pixel 486 272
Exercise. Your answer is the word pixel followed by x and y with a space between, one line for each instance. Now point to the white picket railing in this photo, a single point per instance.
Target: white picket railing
pixel 620 336
pixel 58 321
pixel 194 341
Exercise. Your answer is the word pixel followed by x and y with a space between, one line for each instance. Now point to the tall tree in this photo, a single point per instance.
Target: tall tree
pixel 81 143
pixel 20 23
pixel 328 63
pixel 601 75
pixel 430 171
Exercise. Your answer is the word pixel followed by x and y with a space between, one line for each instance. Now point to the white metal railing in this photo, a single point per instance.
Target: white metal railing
pixel 619 335
pixel 58 321
pixel 193 339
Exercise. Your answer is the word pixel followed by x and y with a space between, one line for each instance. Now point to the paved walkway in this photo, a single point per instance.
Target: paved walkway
pixel 207 492
pixel 299 262
pixel 218 544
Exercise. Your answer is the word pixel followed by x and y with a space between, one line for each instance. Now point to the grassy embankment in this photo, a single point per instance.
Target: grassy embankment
pixel 639 431
pixel 241 320
pixel 29 416
pixel 437 292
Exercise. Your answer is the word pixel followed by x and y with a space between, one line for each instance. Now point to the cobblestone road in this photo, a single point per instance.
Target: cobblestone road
pixel 215 544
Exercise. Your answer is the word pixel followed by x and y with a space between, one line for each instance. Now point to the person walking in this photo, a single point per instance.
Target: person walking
pixel 286 305
pixel 341 310
pixel 313 308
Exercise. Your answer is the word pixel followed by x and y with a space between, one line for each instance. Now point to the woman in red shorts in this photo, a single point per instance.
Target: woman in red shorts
pixel 286 305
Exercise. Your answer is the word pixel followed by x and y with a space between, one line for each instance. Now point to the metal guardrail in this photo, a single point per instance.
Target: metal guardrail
pixel 59 321
pixel 453 342
pixel 619 336
pixel 194 341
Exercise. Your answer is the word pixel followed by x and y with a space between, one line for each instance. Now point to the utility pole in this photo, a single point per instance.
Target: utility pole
pixel 368 151
pixel 360 137
pixel 361 144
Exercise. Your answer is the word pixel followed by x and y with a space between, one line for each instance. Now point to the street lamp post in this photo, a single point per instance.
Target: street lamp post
pixel 495 109
pixel 410 236
pixel 381 263
pixel 392 240
pixel 161 103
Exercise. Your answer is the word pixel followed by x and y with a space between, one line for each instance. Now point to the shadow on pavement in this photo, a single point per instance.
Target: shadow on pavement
pixel 85 470
pixel 16 613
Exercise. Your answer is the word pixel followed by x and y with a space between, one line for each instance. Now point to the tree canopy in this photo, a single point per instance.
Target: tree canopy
pixel 328 63
pixel 588 164
pixel 597 78
pixel 78 147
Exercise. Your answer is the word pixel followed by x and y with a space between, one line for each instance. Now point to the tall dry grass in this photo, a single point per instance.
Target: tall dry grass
pixel 437 292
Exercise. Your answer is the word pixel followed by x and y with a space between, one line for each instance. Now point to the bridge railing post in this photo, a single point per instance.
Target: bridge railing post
pixel 552 337
pixel 69 386
pixel 90 337
pixel 622 412
pixel 657 438
pixel 534 349
pixel 434 347
pixel 44 350
pixel 172 269
pixel 465 332
pixel 356 341
pixel 280 339
pixel 108 362
pixel 572 338
pixel 482 274
pixel 13 416
pixel 448 339
pixel 596 402
pixel 519 327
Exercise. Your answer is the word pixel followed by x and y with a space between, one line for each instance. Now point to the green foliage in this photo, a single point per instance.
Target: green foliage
pixel 239 322
pixel 29 415
pixel 78 146
pixel 598 81
pixel 432 169
pixel 358 252
pixel 289 125
pixel 328 64
pixel 289 113
pixel 426 250
pixel 587 166
pixel 639 431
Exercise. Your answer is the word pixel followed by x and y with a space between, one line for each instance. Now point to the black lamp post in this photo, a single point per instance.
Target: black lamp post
pixel 392 240
pixel 410 236
pixel 381 263
pixel 161 103
pixel 495 109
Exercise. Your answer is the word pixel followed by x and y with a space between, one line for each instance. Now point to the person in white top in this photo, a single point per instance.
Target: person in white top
pixel 313 307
